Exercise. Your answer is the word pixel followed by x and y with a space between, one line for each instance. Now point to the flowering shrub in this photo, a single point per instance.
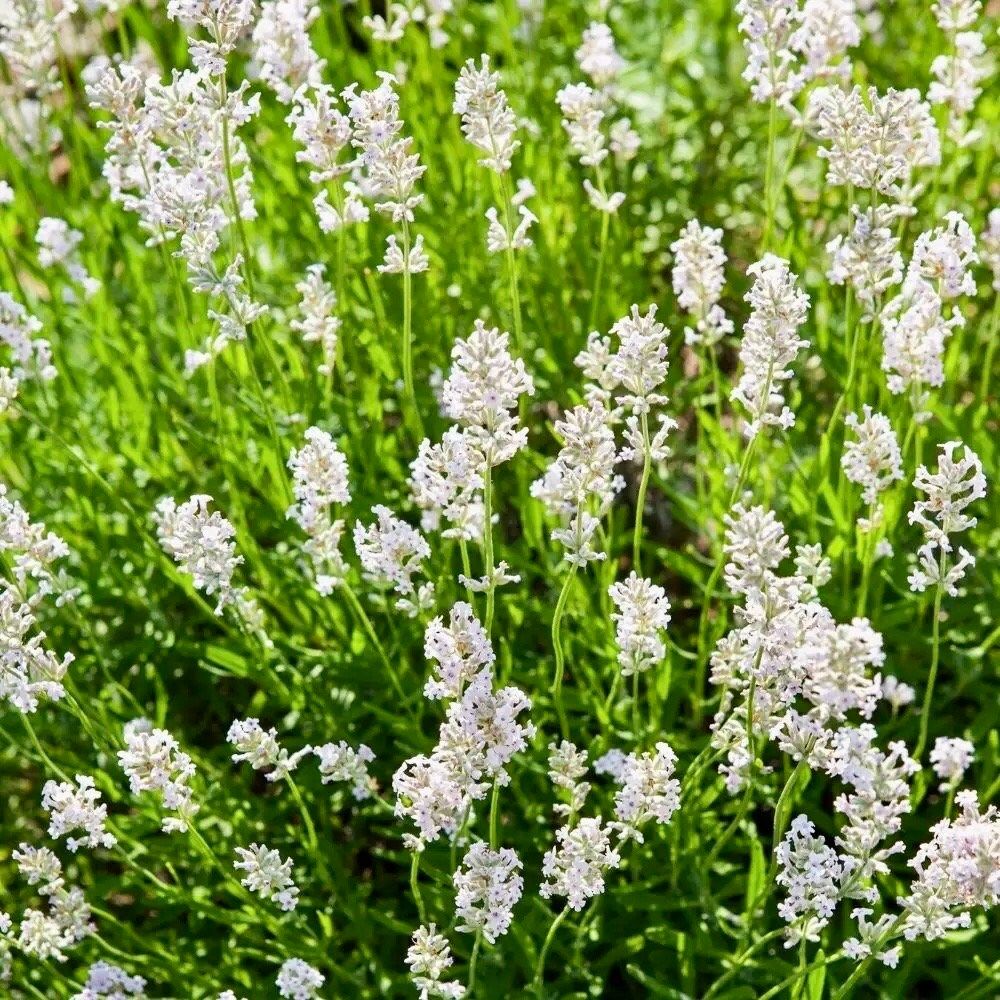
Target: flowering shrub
pixel 496 501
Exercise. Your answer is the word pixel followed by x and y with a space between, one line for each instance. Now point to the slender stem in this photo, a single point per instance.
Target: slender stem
pixel 415 886
pixel 366 624
pixel 540 967
pixel 488 545
pixel 925 713
pixel 558 650
pixel 495 815
pixel 741 960
pixel 472 963
pixel 640 502
pixel 772 131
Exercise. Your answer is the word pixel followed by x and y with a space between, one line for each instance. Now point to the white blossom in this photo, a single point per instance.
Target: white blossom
pixel 267 874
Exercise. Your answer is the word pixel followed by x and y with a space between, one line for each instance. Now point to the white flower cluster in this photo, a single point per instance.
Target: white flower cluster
pixel 267 874
pixel 481 395
pixel 323 132
pixel 643 613
pixel 698 278
pixel 788 45
pixel 319 481
pixel 958 483
pixel 29 671
pixel 29 47
pixel 77 807
pixel 392 553
pixel 873 460
pixel 778 307
pixel 876 144
pixel 480 736
pixel 950 758
pixel 317 321
pixel 460 649
pixel 989 248
pixel 584 109
pixel 172 150
pixel 284 56
pixel 391 170
pixel 31 356
pixel 202 544
pixel 429 958
pixel 868 258
pixel 957 869
pixel 489 124
pixel 580 483
pixel 958 72
pixel 488 886
pixel 44 935
pixel 341 762
pixel 487 120
pixel 259 747
pixel 154 762
pixel 298 980
pixel 107 980
pixel 576 866
pixel 58 244
pixel 566 766
pixel 648 791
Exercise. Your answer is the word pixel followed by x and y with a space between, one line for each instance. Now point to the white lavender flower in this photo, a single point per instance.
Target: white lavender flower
pixel 643 613
pixel 576 866
pixel 950 758
pixel 429 958
pixel 77 807
pixel 956 870
pixel 283 53
pixel 566 766
pixel 106 980
pixel 317 323
pixel 267 874
pixel 482 392
pixel 446 483
pixel 868 258
pixel 298 980
pixel 487 121
pixel 580 483
pixel 341 762
pixel 202 544
pixel 873 461
pixel 153 761
pixel 58 244
pixel 597 56
pixel 649 791
pixel 391 168
pixel 811 873
pixel 260 749
pixel 698 278
pixel 958 483
pixel 460 649
pixel 767 27
pixel 877 143
pixel 391 551
pixel 770 343
pixel 488 885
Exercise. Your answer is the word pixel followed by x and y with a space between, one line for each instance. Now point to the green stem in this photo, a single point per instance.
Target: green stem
pixel 558 650
pixel 925 713
pixel 488 546
pixel 415 886
pixel 640 503
pixel 540 966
